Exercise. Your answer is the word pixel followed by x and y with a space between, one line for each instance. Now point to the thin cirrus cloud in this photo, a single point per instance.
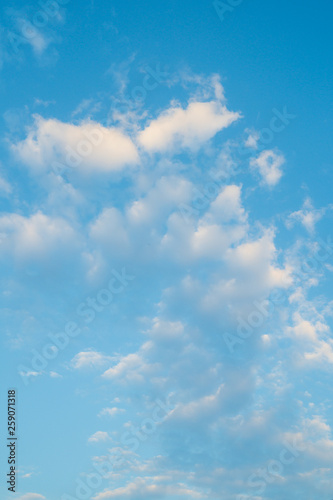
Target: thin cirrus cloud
pixel 52 144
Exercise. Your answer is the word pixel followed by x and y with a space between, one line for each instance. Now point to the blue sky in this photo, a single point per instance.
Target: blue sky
pixel 166 249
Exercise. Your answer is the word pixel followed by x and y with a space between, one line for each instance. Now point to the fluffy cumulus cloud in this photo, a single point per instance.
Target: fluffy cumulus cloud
pixel 38 237
pixel 164 197
pixel 311 336
pixel 223 225
pixel 179 128
pixel 131 368
pixel 136 231
pixel 257 259
pixel 52 144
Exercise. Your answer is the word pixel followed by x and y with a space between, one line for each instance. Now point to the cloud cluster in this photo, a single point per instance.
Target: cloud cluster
pixel 91 147
pixel 205 260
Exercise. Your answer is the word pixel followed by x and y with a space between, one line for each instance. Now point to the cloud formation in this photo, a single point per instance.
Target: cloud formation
pixel 178 128
pixel 55 145
pixel 269 163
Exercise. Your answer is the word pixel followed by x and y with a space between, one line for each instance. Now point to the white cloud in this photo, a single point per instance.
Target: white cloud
pixel 166 330
pixel 140 488
pixel 109 232
pixel 37 237
pixel 322 354
pixel 165 195
pixel 186 128
pixel 269 163
pixel 111 412
pixel 98 437
pixel 88 146
pixel 227 207
pixel 253 253
pixel 252 139
pixel 308 216
pixel 250 273
pixel 313 346
pixel 5 187
pixel 131 368
pixel 30 374
pixel 316 427
pixel 135 232
pixel 305 330
pixel 256 258
pixel 224 224
pixel 207 406
pixel 31 496
pixel 89 359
